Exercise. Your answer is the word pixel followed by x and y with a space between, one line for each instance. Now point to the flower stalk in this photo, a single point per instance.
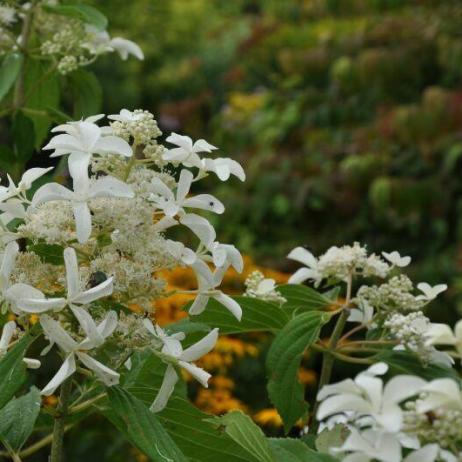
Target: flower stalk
pixel 57 445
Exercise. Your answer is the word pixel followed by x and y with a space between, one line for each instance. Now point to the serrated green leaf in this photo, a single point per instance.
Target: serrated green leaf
pixel 247 434
pixel 302 298
pixel 18 417
pixel 283 362
pixel 291 450
pixel 87 93
pixel 13 370
pixel 84 13
pixel 187 425
pixel 9 70
pixel 142 427
pixel 257 316
pixel 48 253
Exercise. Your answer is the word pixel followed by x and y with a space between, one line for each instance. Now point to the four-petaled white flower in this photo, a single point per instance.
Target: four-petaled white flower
pixel 363 313
pixel 28 299
pixel 82 139
pixel 396 259
pixel 208 283
pixel 95 337
pixel 310 272
pixel 440 393
pixel 101 42
pixel 126 116
pixel 429 292
pixel 84 190
pixel 368 398
pixel 173 350
pixel 226 255
pixel 186 152
pixel 172 204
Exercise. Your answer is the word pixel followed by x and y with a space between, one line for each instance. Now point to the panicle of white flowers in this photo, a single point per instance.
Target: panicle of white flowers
pixel 257 286
pixel 102 246
pixel 8 15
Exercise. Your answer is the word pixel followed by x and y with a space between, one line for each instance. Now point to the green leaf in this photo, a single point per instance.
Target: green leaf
pixel 283 362
pixel 9 70
pixel 247 434
pixel 302 298
pixel 404 362
pixel 257 315
pixel 48 253
pixel 18 417
pixel 142 427
pixel 291 450
pixel 333 438
pixel 24 137
pixel 188 426
pixel 87 93
pixel 13 370
pixel 42 92
pixel 84 13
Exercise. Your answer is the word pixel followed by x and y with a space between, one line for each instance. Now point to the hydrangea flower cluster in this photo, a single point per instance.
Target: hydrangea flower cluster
pixel 257 286
pixel 391 307
pixel 87 261
pixel 66 39
pixel 407 419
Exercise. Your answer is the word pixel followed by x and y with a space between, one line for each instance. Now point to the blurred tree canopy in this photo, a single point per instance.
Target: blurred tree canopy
pixel 346 114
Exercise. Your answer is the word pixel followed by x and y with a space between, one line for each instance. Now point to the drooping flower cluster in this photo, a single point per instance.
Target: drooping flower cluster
pixel 63 34
pixel 407 419
pixel 91 256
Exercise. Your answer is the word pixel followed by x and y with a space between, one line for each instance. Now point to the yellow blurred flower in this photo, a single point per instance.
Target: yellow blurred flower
pixel 268 417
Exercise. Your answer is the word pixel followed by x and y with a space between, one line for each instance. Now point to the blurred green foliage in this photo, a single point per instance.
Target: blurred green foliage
pixel 346 114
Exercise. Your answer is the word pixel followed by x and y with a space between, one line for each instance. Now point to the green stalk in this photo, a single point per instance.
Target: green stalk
pixel 57 444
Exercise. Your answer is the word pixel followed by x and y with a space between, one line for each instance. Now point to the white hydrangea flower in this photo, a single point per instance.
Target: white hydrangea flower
pixel 186 152
pixel 362 314
pixel 223 167
pixel 429 292
pixel 442 334
pixel 173 350
pixel 96 335
pixel 30 300
pixel 257 286
pixel 310 272
pixel 84 189
pixel 396 259
pixel 82 139
pixel 173 204
pixel 369 399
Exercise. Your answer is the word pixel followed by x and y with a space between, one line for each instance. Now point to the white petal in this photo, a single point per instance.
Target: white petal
pixel 184 184
pixel 78 169
pixel 199 304
pixel 8 260
pixel 198 373
pixel 200 227
pixel 205 202
pixel 203 146
pixel 303 256
pixel 57 334
pixel 126 47
pixel 31 175
pixel 342 403
pixel 52 192
pixel 109 186
pixel 7 334
pixel 113 145
pixel 302 275
pixel 72 272
pixel 64 372
pixel 426 454
pixel 108 325
pixel 82 217
pixel 32 363
pixel 106 375
pixel 166 389
pixel 230 304
pixel 184 142
pixel 200 348
pixel 94 338
pixel 101 290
